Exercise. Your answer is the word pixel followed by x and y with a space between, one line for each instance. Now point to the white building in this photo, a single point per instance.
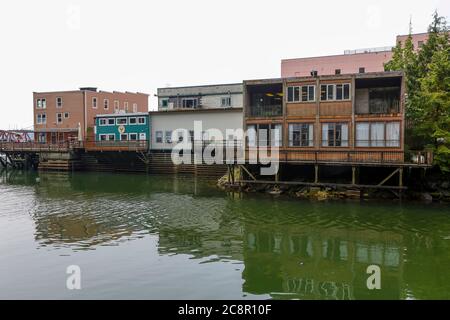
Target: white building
pixel 214 106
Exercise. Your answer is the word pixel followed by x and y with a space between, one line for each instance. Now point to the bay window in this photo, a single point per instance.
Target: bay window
pixel 378 134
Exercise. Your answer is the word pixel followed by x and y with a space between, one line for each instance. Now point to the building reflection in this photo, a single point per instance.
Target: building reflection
pixel 289 249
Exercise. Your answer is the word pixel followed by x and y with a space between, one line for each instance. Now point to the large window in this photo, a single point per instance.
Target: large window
pixel 301 94
pixel 335 135
pixel 59 102
pixel 335 92
pixel 301 135
pixel 265 135
pixel 189 103
pixel 378 134
pixel 59 118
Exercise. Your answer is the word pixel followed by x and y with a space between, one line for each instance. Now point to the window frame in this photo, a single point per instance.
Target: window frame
pixel 59 102
pixel 157 137
pixel 342 143
pixel 309 141
pixel 106 104
pixel 375 144
pixel 59 117
pixel 135 121
pixel 94 103
pixel 121 118
pixel 334 87
pixel 296 94
pixel 227 100
pixel 168 136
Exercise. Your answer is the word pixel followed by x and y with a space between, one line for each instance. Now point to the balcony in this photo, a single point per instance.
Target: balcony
pixel 266 111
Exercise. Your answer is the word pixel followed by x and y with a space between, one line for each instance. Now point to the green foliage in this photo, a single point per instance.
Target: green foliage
pixel 427 73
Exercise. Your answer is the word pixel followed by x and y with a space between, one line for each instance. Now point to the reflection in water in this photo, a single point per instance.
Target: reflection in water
pixel 289 249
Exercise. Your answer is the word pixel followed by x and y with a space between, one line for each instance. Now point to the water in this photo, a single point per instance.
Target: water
pixel 166 237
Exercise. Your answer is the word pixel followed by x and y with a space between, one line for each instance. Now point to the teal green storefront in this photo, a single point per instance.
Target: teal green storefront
pixel 122 127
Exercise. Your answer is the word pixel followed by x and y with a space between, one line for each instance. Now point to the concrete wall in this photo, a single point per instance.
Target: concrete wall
pixel 170 121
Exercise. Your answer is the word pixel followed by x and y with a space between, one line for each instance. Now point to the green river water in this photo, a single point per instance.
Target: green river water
pixel 168 237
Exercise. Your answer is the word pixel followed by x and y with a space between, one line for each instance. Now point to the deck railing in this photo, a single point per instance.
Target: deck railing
pixel 34 146
pixel 266 111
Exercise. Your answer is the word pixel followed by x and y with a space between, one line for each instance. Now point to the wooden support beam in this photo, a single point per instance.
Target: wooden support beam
pixel 388 177
pixel 248 172
pixel 316 174
pixel 400 177
pixel 332 185
pixel 353 175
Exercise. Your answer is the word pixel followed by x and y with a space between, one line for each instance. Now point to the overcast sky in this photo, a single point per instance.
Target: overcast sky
pixel 137 45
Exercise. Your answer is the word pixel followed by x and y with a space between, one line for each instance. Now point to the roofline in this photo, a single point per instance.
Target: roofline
pixel 181 111
pixel 80 91
pixel 336 55
pixel 133 114
pixel 385 74
pixel 412 34
pixel 202 86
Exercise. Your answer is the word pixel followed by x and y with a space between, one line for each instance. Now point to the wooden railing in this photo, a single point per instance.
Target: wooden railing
pixel 34 147
pixel 138 145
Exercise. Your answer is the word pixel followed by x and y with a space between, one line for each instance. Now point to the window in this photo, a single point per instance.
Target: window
pixel 159 136
pixel 41 104
pixel 111 122
pixel 362 70
pixel 168 137
pixel 301 135
pixel 132 120
pixel 59 118
pixel 135 107
pixel 59 102
pixel 225 101
pixel 124 137
pixel 66 115
pixel 121 121
pixel 337 71
pixel 94 103
pixel 189 103
pixel 164 103
pixel 111 137
pixel 103 137
pixel 116 105
pixel 420 44
pixel 378 134
pixel 125 106
pixel 335 135
pixel 266 134
pixel 301 94
pixel 141 120
pixel 102 122
pixel 331 92
pixel 133 136
pixel 106 104
pixel 41 118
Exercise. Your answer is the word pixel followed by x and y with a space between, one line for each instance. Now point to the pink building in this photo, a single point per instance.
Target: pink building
pixel 352 61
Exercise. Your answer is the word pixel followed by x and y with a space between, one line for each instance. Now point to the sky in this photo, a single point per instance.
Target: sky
pixel 136 45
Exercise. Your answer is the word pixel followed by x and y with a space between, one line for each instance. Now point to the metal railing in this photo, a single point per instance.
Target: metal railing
pixel 266 111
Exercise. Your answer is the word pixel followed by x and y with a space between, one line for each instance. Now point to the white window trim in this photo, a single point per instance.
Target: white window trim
pixel 116 105
pixel 300 88
pixel 132 124
pixel 334 91
pixel 144 123
pixel 94 105
pixel 123 134
pixel 156 136
pixel 100 122
pixel 121 124
pixel 135 107
pixel 133 133
pixel 109 136
pixel 58 114
pixel 59 107
pixel 106 104
pixel 169 140
pixel 110 124
pixel 103 135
